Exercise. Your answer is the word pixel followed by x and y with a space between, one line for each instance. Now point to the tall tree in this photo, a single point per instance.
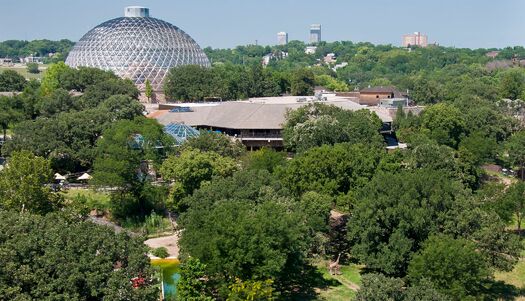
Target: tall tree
pixel 444 123
pixel 149 90
pixel 11 81
pixel 512 83
pixel 453 265
pixel 237 239
pixel 302 82
pixel 318 124
pixel 396 212
pixel 516 150
pixel 23 185
pixel 193 167
pixel 51 79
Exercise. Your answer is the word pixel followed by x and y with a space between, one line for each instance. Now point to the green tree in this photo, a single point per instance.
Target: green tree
pixel 222 144
pixel 193 167
pixel 251 290
pixel 79 79
pixel 11 81
pixel 248 185
pixel 149 90
pixel 77 259
pixel 512 83
pixel 8 114
pixel 123 147
pixel 193 285
pixel 515 147
pixel 302 82
pixel 264 159
pixel 237 239
pixel 514 202
pixel 318 124
pixel 190 83
pixel 51 79
pixel 426 91
pixel 101 91
pixel 453 265
pixel 377 287
pixel 58 101
pixel 444 124
pixel 32 68
pixel 331 170
pixel 23 185
pixel 396 212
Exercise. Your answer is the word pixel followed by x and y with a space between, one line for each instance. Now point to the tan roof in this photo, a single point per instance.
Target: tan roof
pixel 260 113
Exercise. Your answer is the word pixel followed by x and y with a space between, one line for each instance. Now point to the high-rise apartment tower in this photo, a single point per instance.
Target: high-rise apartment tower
pixel 282 38
pixel 315 33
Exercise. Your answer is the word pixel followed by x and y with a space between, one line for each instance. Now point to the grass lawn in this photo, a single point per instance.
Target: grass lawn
pixel 23 71
pixel 95 199
pixel 516 277
pixel 344 284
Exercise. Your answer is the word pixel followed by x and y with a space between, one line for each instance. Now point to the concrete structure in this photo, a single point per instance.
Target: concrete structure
pixel 282 38
pixel 257 122
pixel 415 39
pixel 372 96
pixel 315 33
pixel 137 47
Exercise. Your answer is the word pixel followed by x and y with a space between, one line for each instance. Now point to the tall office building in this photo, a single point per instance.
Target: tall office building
pixel 282 38
pixel 415 39
pixel 315 33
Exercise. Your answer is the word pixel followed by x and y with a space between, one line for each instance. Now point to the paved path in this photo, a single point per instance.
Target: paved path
pixel 169 242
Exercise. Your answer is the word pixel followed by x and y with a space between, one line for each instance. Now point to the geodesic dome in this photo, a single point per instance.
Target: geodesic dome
pixel 137 47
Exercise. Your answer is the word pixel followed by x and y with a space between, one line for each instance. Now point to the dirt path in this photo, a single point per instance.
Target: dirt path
pixel 346 283
pixel 168 242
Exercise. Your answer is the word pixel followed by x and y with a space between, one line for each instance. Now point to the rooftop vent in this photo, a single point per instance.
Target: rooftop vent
pixel 136 12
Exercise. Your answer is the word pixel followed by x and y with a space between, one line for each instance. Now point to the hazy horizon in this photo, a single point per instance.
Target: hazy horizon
pixel 228 23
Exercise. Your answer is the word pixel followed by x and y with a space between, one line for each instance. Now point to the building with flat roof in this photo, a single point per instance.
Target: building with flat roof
pixel 282 38
pixel 372 96
pixel 415 39
pixel 257 122
pixel 315 33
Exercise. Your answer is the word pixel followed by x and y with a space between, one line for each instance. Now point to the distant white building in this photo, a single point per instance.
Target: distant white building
pixel 342 65
pixel 310 49
pixel 415 39
pixel 278 55
pixel 32 59
pixel 282 38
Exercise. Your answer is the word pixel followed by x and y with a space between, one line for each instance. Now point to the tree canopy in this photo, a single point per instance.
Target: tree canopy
pixel 54 257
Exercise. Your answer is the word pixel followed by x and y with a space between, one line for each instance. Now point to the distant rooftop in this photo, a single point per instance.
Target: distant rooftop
pixel 255 113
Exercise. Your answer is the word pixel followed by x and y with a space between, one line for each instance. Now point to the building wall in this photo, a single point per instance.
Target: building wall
pixel 282 38
pixel 315 33
pixel 373 99
pixel 415 39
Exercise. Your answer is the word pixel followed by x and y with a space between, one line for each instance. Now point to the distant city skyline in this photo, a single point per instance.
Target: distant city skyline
pixel 228 23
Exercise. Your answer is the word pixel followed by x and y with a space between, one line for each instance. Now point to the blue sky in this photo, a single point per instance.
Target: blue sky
pixel 227 23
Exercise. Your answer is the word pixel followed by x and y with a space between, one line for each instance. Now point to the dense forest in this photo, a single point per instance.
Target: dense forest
pixel 436 221
pixel 42 48
pixel 430 75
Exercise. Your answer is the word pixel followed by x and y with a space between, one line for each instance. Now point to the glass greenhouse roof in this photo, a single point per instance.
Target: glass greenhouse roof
pixel 181 132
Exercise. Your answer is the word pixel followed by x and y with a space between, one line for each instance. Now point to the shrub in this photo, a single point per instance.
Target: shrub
pixel 160 252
